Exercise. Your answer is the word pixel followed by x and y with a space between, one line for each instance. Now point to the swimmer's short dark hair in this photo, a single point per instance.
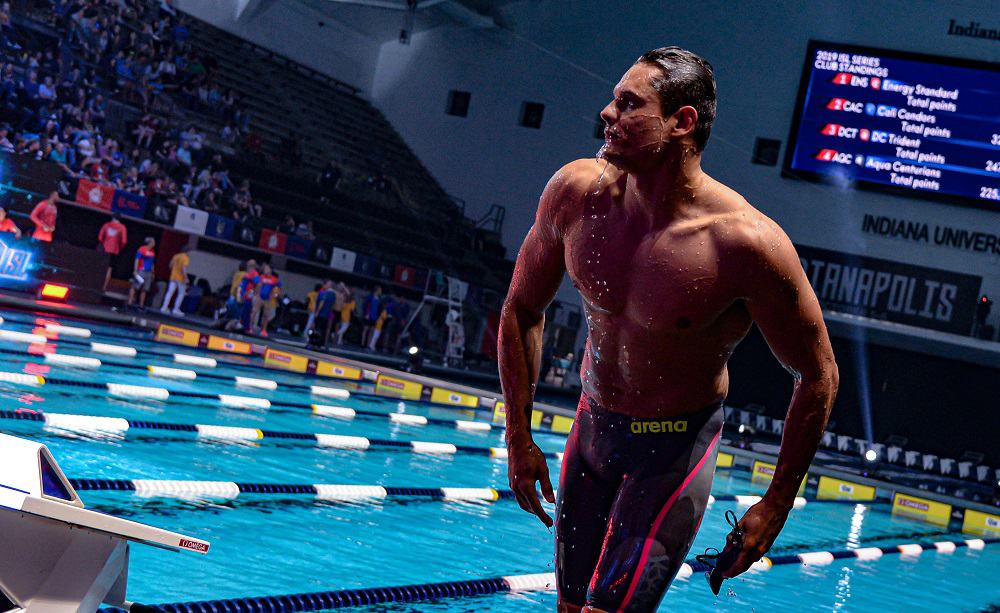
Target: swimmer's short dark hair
pixel 687 80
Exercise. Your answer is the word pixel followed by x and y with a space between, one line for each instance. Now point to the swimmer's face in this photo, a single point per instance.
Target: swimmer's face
pixel 637 135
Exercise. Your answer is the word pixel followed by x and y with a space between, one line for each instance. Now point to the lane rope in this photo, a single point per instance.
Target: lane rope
pixel 340 599
pixel 170 488
pixel 117 427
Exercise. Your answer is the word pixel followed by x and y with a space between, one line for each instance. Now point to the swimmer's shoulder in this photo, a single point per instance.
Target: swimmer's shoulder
pixel 567 189
pixel 744 232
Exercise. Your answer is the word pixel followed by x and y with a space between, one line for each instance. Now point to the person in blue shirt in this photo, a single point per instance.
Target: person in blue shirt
pixel 370 311
pixel 325 301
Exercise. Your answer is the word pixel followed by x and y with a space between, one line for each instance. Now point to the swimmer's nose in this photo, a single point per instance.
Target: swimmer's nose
pixel 610 114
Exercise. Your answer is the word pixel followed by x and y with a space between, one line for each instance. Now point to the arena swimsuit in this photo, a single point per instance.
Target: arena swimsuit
pixel 632 494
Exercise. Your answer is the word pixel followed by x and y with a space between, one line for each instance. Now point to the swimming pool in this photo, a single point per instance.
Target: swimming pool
pixel 264 544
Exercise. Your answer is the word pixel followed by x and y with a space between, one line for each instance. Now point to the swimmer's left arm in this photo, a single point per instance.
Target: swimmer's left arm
pixel 785 308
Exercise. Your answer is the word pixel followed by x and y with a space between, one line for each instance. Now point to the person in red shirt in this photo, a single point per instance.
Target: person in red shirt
pixel 111 240
pixel 142 271
pixel 6 225
pixel 44 217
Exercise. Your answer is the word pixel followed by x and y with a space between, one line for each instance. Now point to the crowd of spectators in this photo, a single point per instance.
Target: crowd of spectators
pixel 54 104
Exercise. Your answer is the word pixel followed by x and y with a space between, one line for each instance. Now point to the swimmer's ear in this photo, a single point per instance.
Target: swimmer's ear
pixel 685 121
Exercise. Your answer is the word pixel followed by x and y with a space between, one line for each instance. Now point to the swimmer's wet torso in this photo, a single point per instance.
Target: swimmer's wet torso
pixel 662 295
pixel 673 267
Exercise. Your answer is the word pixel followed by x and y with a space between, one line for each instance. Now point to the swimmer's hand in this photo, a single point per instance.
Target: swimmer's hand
pixel 525 466
pixel 760 526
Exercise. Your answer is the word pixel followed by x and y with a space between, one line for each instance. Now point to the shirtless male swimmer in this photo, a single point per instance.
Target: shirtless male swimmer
pixel 673 267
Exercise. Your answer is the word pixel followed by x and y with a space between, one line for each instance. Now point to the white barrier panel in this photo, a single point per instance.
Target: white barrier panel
pixel 329 392
pixel 911 549
pixel 119 350
pixel 76 361
pixel 186 489
pixel 172 373
pixel 244 402
pixel 868 553
pixel 462 424
pixel 264 384
pixel 138 391
pixel 195 360
pixel 816 558
pixel 531 583
pixel 22 337
pixel 338 441
pixel 330 411
pixel 22 378
pixel 229 433
pixel 68 330
pixel 945 546
pixel 421 447
pixel 87 424
pixel 348 492
pixel 403 418
pixel 470 493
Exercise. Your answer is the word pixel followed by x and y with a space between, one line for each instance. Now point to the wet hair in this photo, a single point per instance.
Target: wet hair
pixel 687 80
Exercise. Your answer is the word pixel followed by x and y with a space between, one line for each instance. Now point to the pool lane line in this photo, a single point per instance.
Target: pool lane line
pixel 171 488
pixel 237 401
pixel 318 601
pixel 360 393
pixel 115 427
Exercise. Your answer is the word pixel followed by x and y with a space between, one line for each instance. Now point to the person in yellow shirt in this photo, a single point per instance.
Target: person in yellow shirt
pixel 178 281
pixel 311 308
pixel 345 313
pixel 236 283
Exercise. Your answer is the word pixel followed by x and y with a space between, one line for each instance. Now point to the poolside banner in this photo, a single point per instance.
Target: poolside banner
pixel 343 259
pixel 366 266
pixel 763 472
pixel 500 415
pixel 285 360
pixel 562 424
pixel 725 460
pixel 837 489
pixel 179 336
pixel 440 395
pixel 405 275
pixel 220 227
pixel 883 289
pixel 191 220
pixel 320 252
pixel 930 511
pixel 218 343
pixel 94 195
pixel 339 371
pixel 981 524
pixel 298 247
pixel 398 388
pixel 273 241
pixel 127 203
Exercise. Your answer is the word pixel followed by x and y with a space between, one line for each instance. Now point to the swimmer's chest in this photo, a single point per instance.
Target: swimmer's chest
pixel 658 280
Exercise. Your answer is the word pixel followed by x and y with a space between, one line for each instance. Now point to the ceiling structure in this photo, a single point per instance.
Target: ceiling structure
pixel 382 20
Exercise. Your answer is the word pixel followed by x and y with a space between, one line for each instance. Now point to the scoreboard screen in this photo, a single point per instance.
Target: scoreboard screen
pixel 912 124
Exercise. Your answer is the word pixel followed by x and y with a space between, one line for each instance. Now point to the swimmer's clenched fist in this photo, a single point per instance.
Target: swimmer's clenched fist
pixel 673 268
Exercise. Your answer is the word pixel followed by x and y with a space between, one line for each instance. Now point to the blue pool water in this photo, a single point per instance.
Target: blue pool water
pixel 275 544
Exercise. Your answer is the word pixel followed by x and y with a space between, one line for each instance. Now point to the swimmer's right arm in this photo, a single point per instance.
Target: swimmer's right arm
pixel 537 275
